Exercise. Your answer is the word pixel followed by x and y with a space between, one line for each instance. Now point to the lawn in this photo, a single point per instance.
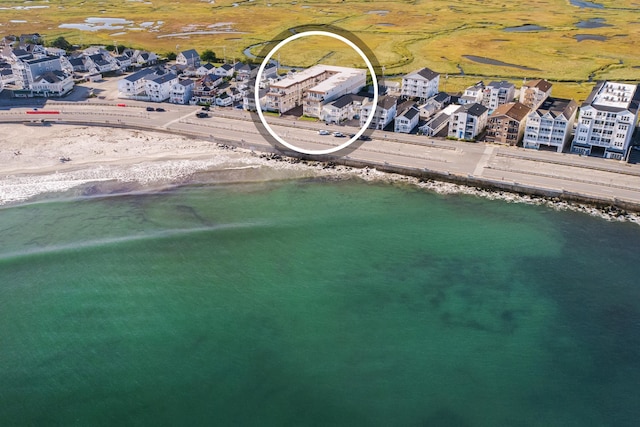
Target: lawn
pixel 404 35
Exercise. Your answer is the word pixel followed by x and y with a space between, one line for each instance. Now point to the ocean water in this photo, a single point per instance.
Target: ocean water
pixel 315 303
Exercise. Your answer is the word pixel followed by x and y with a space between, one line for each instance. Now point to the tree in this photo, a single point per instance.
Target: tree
pixel 61 43
pixel 171 56
pixel 208 56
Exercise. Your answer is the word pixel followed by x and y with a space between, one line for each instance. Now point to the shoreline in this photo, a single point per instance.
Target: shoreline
pixel 152 161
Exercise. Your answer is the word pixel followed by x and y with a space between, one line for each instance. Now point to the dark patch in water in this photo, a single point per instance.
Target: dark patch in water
pixel 593 23
pixel 489 61
pixel 594 37
pixel 586 4
pixel 525 28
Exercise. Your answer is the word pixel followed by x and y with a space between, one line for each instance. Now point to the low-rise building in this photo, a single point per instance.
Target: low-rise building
pixel 52 84
pixel 607 120
pixel 181 91
pixel 534 92
pixel 133 85
pixel 158 87
pixel 438 125
pixel 407 120
pixel 468 121
pixel 347 107
pixel 188 58
pixel 385 112
pixel 550 125
pixel 420 84
pixel 205 89
pixel 205 69
pixel 506 124
pixel 473 94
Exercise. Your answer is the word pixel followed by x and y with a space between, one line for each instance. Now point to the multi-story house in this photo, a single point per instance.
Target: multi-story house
pixel 245 72
pixel 473 94
pixel 205 89
pixel 438 125
pixel 158 87
pixel 225 70
pixel 534 92
pixel 467 121
pixel 550 125
pixel 607 120
pixel 52 84
pixel 314 87
pixel 347 107
pixel 498 93
pixel 205 69
pixel 133 85
pixel 26 71
pixel 407 120
pixel 385 112
pixel 420 84
pixel 188 58
pixel 506 124
pixel 181 91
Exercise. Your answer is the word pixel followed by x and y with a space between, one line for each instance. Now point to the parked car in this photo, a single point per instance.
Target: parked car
pixel 160 109
pixel 151 109
pixel 364 138
pixel 339 134
pixel 205 108
pixel 323 132
pixel 201 115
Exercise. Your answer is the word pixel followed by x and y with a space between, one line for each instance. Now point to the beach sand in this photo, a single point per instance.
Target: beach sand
pixel 131 160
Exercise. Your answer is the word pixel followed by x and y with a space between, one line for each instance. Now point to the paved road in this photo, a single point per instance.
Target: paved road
pixel 510 166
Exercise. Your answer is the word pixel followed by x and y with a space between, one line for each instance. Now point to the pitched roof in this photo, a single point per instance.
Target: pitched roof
pixel 558 107
pixel 189 54
pixel 387 101
pixel 139 74
pixel 541 84
pixel 424 73
pixel 410 112
pixel 166 77
pixel 208 66
pixel 186 82
pixel 475 109
pixel 513 110
pixel 503 84
pixel 51 77
pixel 345 100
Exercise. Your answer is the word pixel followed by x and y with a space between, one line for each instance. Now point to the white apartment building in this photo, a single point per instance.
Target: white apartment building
pixel 52 83
pixel 158 87
pixel 467 121
pixel 551 125
pixel 347 107
pixel 314 87
pixel 473 94
pixel 181 91
pixel 534 92
pixel 420 84
pixel 407 120
pixel 607 120
pixel 133 85
pixel 385 112
pixel 496 94
pixel 27 71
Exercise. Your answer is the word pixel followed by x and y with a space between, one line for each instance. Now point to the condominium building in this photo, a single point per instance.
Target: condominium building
pixel 534 92
pixel 607 120
pixel 473 94
pixel 407 120
pixel 506 124
pixel 314 87
pixel 550 126
pixel 385 112
pixel 498 93
pixel 420 84
pixel 468 121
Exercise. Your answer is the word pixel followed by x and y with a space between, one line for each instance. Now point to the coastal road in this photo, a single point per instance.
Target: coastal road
pixel 512 166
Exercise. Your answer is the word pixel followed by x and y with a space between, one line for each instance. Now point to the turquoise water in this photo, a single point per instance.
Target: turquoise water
pixel 315 303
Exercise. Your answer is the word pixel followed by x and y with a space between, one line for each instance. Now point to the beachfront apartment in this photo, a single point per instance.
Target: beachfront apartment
pixel 158 87
pixel 550 126
pixel 438 125
pixel 385 112
pixel 347 107
pixel 534 92
pixel 420 84
pixel 407 120
pixel 506 124
pixel 467 121
pixel 314 87
pixel 181 91
pixel 496 94
pixel 52 84
pixel 205 89
pixel 28 70
pixel 607 120
pixel 133 85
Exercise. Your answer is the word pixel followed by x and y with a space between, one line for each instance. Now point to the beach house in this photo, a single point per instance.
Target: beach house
pixel 468 121
pixel 506 124
pixel 550 126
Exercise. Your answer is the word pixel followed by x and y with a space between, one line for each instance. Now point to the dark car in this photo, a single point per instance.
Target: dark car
pixel 205 108
pixel 160 109
pixel 201 115
pixel 364 138
pixel 151 109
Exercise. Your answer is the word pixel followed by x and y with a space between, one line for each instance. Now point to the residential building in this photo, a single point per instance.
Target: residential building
pixel 534 92
pixel 205 89
pixel 468 121
pixel 438 125
pixel 506 124
pixel 188 58
pixel 52 84
pixel 607 120
pixel 407 120
pixel 420 84
pixel 181 91
pixel 385 112
pixel 473 94
pixel 225 70
pixel 550 125
pixel 347 107
pixel 498 93
pixel 26 71
pixel 245 72
pixel 249 100
pixel 205 69
pixel 133 85
pixel 313 88
pixel 158 87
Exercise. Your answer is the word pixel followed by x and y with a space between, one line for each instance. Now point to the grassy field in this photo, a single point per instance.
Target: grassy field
pixel 404 35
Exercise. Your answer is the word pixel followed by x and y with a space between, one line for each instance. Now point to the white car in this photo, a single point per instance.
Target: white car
pixel 339 134
pixel 323 132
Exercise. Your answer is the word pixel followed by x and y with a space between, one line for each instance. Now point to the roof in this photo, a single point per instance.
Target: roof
pixel 139 74
pixel 345 100
pixel 410 112
pixel 186 82
pixel 190 54
pixel 387 102
pixel 208 66
pixel 513 110
pixel 441 97
pixel 503 84
pixel 614 97
pixel 438 120
pixel 541 84
pixel 558 107
pixel 226 67
pixel 474 109
pixel 166 77
pixel 424 73
pixel 39 60
pixel 51 77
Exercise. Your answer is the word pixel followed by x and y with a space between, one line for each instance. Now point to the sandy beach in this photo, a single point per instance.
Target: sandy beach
pixel 30 165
